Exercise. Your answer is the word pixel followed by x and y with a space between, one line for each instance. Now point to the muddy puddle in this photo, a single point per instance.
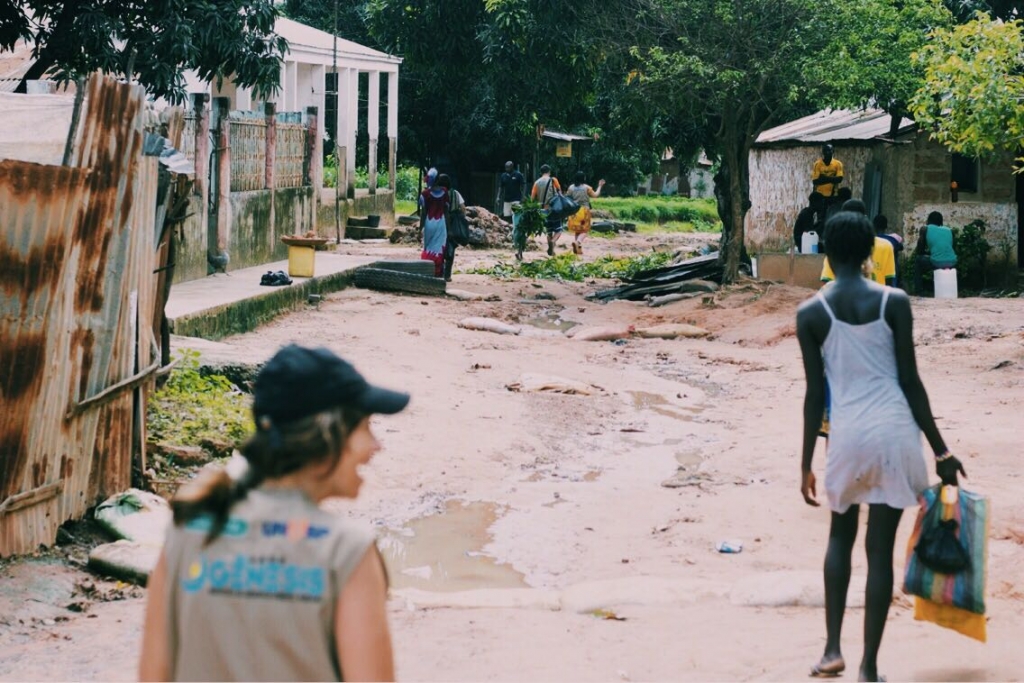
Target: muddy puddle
pixel 444 552
pixel 645 400
pixel 551 320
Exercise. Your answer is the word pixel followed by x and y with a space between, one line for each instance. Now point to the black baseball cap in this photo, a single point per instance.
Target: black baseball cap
pixel 299 382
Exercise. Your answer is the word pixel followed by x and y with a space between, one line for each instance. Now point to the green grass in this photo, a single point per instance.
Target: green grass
pixel 405 207
pixel 569 267
pixel 682 226
pixel 661 210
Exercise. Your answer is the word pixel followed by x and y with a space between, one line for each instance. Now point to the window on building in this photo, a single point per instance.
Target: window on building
pixel 965 173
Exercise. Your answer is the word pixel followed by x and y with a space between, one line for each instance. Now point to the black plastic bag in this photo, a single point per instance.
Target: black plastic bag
pixel 458 228
pixel 939 547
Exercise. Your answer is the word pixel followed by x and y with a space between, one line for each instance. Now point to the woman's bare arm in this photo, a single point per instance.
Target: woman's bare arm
pixel 362 637
pixel 807 320
pixel 155 662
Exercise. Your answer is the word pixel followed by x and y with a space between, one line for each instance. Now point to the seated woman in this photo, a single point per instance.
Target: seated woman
pixel 934 250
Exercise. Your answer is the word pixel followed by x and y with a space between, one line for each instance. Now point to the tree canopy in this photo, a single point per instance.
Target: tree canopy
pixel 152 42
pixel 973 86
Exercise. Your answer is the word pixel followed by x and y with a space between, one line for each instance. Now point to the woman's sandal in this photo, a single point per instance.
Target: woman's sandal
pixel 831 670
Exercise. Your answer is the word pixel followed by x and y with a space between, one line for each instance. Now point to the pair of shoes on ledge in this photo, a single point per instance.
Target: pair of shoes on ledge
pixel 275 279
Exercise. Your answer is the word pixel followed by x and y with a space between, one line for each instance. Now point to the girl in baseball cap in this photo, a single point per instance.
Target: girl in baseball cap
pixel 256 581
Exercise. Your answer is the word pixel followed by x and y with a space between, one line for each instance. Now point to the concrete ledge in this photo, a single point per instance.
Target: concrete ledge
pixel 221 305
pixel 802 270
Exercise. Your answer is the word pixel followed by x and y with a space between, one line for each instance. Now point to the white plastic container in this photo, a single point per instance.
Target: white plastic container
pixel 945 283
pixel 809 242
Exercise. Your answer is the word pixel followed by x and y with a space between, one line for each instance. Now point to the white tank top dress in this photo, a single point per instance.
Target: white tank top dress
pixel 875 455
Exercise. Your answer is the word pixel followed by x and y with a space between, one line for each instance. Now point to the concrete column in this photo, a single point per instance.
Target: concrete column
pixel 270 115
pixel 373 128
pixel 348 100
pixel 392 128
pixel 312 165
pixel 243 99
pixel 222 107
pixel 202 144
pixel 291 89
pixel 320 100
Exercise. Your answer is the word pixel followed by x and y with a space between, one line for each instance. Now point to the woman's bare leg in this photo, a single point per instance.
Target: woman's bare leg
pixel 838 558
pixel 883 521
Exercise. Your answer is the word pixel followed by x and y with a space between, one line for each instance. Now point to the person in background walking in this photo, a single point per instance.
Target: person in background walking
pixel 934 250
pixel 511 188
pixel 860 335
pixel 544 190
pixel 455 204
pixel 256 582
pixel 579 223
pixel 881 224
pixel 434 208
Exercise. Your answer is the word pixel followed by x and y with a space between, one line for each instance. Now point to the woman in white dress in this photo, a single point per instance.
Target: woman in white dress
pixel 859 335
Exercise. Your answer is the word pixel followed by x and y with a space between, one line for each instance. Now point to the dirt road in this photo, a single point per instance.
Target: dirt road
pixel 541 536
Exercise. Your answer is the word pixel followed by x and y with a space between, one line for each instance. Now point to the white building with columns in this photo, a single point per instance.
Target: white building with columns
pixel 305 83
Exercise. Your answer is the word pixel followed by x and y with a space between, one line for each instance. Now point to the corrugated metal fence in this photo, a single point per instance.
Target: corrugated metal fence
pixel 77 256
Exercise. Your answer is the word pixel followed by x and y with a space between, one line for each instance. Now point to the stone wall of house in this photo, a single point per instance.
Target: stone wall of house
pixel 780 182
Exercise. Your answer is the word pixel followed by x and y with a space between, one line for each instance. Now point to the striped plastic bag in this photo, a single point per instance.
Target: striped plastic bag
pixel 956 600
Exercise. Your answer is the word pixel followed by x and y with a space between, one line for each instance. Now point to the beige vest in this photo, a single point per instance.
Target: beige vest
pixel 258 603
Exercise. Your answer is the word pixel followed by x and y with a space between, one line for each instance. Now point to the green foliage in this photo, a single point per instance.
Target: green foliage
pixel 531 222
pixel 569 267
pixel 869 60
pixel 972 250
pixel 407 179
pixel 973 86
pixel 191 407
pixel 154 42
pixel 658 209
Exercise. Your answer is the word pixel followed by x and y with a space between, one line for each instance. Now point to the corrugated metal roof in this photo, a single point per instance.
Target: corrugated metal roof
pixel 831 125
pixel 565 137
pixel 300 35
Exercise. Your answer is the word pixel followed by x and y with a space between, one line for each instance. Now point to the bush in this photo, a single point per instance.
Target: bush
pixel 569 267
pixel 191 408
pixel 971 249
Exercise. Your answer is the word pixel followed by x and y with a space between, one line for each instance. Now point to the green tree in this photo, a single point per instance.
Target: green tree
pixel 869 61
pixel 153 42
pixel 351 17
pixel 974 86
pixel 731 68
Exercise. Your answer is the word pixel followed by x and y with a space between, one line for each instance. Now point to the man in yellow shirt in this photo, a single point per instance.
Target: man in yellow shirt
pixel 883 257
pixel 827 173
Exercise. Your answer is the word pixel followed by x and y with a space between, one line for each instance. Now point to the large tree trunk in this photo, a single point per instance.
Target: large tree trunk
pixel 36 71
pixel 732 190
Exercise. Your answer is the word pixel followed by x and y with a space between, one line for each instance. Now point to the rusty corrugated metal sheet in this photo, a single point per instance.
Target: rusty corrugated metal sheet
pixel 831 125
pixel 76 259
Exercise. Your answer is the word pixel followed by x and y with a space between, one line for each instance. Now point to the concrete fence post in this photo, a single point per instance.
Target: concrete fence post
pixel 312 164
pixel 223 111
pixel 201 149
pixel 270 114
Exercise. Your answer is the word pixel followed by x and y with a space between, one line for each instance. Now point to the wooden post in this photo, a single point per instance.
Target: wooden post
pixel 270 114
pixel 202 144
pixel 311 165
pixel 223 110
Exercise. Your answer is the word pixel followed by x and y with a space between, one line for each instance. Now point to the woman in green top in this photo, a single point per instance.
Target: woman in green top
pixel 934 249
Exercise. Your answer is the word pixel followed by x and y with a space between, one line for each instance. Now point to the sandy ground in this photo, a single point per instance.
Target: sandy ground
pixel 508 518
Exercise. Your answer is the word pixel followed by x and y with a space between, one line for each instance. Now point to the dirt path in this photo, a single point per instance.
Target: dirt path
pixel 508 518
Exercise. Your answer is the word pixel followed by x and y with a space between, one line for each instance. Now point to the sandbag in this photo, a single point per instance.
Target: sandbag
pixel 672 331
pixel 489 325
pixel 125 560
pixel 610 333
pixel 531 382
pixel 135 515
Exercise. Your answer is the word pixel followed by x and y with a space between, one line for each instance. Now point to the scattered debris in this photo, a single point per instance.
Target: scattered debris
pixel 672 331
pixel 489 325
pixel 463 295
pixel 607 614
pixel 1002 364
pixel 729 547
pixel 610 333
pixel 530 382
pixel 135 515
pixel 655 301
pixel 479 366
pixel 670 279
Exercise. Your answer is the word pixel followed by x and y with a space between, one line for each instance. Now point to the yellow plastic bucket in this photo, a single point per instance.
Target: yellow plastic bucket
pixel 300 261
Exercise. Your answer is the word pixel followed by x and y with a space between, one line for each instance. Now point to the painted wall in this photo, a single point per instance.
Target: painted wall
pixel 259 220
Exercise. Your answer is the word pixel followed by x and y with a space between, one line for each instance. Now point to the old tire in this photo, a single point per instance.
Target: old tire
pixel 413 266
pixel 397 281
